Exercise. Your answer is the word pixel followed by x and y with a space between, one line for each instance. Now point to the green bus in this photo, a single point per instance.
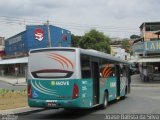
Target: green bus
pixel 75 78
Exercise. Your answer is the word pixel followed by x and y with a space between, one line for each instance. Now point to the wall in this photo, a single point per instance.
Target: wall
pixel 16 44
pixel 36 37
pixel 150 35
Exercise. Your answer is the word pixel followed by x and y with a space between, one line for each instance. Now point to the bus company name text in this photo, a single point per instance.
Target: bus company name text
pixel 60 83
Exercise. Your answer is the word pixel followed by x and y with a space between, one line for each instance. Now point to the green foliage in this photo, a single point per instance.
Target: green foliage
pixel 95 40
pixel 5 91
pixel 134 36
pixel 75 40
pixel 126 45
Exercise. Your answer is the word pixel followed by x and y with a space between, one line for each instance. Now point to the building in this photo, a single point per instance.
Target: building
pixel 1 47
pixel 147 51
pixel 118 51
pixel 35 36
pixel 148 29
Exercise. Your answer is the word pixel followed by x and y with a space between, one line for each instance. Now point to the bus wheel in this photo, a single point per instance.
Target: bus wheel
pixel 105 101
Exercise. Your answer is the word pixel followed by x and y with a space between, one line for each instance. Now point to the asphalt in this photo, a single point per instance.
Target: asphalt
pixel 142 100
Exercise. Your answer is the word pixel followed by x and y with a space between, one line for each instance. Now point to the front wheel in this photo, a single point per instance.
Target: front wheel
pixel 105 101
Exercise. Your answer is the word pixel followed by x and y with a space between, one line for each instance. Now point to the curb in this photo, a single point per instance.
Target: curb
pixel 21 111
pixel 24 84
pixel 145 85
pixel 20 84
pixel 6 82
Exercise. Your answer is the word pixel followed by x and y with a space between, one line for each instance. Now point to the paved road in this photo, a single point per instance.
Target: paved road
pixel 4 85
pixel 141 100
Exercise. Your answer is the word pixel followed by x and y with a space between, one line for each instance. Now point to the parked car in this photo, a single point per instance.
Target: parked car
pixel 134 69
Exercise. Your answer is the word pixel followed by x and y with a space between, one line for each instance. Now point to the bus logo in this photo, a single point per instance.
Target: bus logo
pixel 59 83
pixel 53 83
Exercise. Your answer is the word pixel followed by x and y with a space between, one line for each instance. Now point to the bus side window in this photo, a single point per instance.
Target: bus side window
pixel 123 70
pixel 85 66
pixel 113 70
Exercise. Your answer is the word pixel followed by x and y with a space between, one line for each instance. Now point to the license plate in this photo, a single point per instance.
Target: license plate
pixel 50 104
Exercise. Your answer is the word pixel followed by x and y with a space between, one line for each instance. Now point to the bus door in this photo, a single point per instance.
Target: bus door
pixel 95 76
pixel 118 79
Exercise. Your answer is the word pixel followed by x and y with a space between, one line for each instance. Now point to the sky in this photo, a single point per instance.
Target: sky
pixel 115 18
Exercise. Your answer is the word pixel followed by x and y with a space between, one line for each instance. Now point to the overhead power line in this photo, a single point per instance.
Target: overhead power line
pixel 26 21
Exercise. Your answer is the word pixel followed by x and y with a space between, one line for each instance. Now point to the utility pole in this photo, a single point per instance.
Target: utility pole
pixel 49 35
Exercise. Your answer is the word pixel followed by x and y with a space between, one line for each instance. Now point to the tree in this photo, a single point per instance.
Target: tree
pixel 126 45
pixel 134 36
pixel 75 40
pixel 95 40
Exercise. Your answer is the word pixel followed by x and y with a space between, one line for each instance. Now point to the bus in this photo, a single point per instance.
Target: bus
pixel 75 78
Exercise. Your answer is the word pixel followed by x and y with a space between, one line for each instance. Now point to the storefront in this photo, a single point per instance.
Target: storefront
pixel 148 59
pixel 15 67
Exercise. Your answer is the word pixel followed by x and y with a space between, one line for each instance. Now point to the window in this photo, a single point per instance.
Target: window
pixel 52 64
pixel 152 27
pixel 123 70
pixel 85 66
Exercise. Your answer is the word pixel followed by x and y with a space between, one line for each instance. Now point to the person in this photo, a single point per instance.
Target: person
pixel 145 74
pixel 141 71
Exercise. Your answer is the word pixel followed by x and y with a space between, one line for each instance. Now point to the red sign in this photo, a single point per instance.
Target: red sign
pixel 39 34
pixel 64 37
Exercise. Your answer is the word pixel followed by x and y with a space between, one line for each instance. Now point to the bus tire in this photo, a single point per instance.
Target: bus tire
pixel 105 101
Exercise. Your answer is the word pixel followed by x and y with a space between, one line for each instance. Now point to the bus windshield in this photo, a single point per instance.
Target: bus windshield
pixel 52 63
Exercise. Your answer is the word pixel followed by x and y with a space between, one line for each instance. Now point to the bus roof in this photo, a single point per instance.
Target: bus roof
pixel 90 52
pixel 102 55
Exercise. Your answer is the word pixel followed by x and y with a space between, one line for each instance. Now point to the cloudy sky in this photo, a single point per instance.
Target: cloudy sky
pixel 116 18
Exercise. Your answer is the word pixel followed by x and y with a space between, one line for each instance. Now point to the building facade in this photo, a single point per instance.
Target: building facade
pixel 147 51
pixel 36 37
pixel 117 50
pixel 1 47
pixel 148 30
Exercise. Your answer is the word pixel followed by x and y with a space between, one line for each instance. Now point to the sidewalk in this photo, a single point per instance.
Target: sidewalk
pixel 13 80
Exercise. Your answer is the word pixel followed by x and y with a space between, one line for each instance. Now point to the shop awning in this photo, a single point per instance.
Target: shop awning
pixel 148 60
pixel 132 61
pixel 14 61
